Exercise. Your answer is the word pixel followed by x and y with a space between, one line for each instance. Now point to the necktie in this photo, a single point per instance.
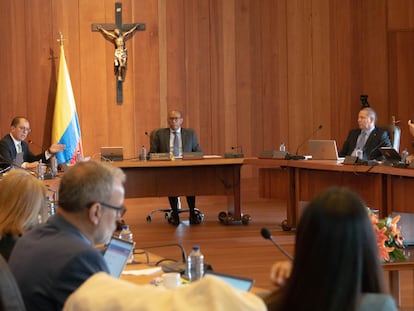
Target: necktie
pixel 176 145
pixel 361 141
pixel 19 147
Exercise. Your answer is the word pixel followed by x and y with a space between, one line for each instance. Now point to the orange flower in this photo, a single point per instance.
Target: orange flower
pixel 383 251
pixel 390 241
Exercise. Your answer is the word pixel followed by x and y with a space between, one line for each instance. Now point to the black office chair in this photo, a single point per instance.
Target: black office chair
pixel 10 296
pixel 168 211
pixel 394 132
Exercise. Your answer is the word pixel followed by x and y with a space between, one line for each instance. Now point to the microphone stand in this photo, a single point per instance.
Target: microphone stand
pixel 301 157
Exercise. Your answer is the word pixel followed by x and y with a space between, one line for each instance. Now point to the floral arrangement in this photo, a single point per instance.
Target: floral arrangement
pixel 389 238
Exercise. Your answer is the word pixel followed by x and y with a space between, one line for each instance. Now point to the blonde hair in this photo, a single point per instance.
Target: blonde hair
pixel 21 198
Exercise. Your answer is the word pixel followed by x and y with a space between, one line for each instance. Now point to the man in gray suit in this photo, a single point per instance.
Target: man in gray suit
pixel 176 140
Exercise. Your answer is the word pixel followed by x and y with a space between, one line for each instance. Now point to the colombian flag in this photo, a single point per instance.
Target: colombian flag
pixel 66 128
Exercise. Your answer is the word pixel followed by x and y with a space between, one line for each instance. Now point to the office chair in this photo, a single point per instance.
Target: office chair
pixel 394 132
pixel 168 213
pixel 10 296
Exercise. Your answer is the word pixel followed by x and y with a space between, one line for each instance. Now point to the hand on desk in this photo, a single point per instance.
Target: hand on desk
pixel 280 272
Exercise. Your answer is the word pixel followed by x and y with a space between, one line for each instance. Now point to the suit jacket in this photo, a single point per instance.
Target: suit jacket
pixel 160 140
pixel 8 152
pixel 378 138
pixel 52 260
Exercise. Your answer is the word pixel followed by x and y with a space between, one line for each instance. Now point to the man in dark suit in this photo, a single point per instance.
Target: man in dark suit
pixel 365 141
pixel 53 259
pixel 14 150
pixel 176 140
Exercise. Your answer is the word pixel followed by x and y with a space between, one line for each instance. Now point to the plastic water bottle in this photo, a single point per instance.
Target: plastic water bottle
pixel 143 154
pixel 404 156
pixel 53 166
pixel 282 147
pixel 127 235
pixel 40 170
pixel 78 156
pixel 195 264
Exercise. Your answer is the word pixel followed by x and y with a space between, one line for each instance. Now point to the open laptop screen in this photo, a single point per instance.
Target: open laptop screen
pixel 323 150
pixel 241 283
pixel 116 255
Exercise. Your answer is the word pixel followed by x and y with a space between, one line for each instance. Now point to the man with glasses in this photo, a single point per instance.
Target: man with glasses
pixel 176 140
pixel 14 150
pixel 55 258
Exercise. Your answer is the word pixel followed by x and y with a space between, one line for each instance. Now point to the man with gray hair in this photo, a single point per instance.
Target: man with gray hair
pixel 365 141
pixel 55 258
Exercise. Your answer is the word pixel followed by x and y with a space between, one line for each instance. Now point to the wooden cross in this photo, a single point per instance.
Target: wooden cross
pixel 118 33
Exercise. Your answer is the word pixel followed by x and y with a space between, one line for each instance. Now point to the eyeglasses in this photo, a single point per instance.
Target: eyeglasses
pixel 120 211
pixel 25 129
pixel 175 118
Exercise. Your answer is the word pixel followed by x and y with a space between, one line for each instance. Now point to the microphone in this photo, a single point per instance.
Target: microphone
pixel 183 252
pixel 268 236
pixel 304 141
pixel 172 265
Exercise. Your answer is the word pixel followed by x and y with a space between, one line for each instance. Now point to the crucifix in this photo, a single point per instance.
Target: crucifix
pixel 118 33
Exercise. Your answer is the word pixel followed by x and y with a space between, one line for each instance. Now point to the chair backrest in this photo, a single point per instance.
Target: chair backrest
pixel 10 296
pixel 394 132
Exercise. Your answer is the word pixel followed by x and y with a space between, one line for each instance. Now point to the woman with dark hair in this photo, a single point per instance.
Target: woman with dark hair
pixel 336 265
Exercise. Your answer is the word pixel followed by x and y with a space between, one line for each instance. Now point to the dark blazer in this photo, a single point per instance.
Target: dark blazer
pixel 8 151
pixel 51 261
pixel 378 138
pixel 160 140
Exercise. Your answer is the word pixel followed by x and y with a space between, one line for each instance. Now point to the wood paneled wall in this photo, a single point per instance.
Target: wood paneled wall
pixel 244 72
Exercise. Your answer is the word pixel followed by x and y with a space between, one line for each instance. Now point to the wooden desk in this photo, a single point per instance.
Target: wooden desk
pixel 217 176
pixel 393 269
pixel 147 279
pixel 384 188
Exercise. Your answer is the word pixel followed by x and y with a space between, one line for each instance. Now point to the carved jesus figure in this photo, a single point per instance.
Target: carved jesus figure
pixel 120 55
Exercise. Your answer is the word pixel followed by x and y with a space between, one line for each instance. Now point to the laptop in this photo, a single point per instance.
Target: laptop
pixel 112 153
pixel 324 150
pixel 237 282
pixel 116 255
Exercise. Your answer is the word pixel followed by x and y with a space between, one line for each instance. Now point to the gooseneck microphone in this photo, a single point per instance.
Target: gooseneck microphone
pixel 268 236
pixel 307 138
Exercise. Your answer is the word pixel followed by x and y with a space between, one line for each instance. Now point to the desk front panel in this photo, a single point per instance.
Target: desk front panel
pixel 179 180
pixel 369 186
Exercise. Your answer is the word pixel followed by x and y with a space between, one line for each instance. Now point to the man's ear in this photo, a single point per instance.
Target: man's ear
pixel 95 213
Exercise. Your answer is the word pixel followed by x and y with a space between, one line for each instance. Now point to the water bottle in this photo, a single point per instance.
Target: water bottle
pixel 53 166
pixel 404 156
pixel 359 154
pixel 127 235
pixel 195 264
pixel 40 170
pixel 78 156
pixel 143 154
pixel 282 147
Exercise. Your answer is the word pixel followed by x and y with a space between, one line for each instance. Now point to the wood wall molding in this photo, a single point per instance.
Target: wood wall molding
pixel 249 73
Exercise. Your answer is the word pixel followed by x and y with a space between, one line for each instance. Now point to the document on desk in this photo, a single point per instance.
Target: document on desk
pixel 147 271
pixel 211 156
